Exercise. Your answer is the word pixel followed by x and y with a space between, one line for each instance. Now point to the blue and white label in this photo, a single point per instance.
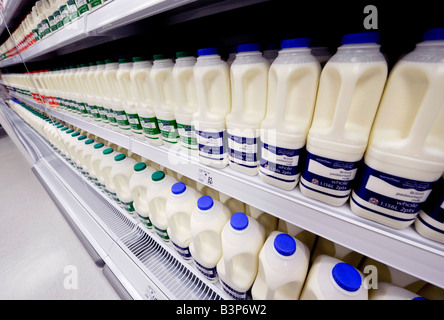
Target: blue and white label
pixel 209 273
pixel 329 176
pixel 279 163
pixel 434 206
pixel 183 251
pixel 243 151
pixel 211 145
pixel 389 195
pixel 235 294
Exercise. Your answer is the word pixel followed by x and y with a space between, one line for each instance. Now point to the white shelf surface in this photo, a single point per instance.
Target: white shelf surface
pixel 403 249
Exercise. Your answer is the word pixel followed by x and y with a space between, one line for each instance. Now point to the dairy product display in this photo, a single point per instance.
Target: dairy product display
pixel 405 155
pixel 292 86
pixel 350 89
pixel 138 186
pixel 249 77
pixel 120 174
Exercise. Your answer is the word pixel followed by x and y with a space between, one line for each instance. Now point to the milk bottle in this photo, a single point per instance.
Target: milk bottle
pixel 65 139
pixel 94 168
pixel 111 92
pixel 138 186
pixel 80 151
pixel 388 291
pixel 157 195
pixel 327 247
pixel 292 87
pixel 128 101
pixel 87 153
pixel 405 155
pixel 91 87
pixel 179 207
pixel 430 220
pixel 350 88
pixel 166 101
pixel 69 146
pixel 106 164
pixel 331 279
pixel 213 93
pixel 283 266
pixel 269 221
pixel 140 77
pixel 237 268
pixel 307 237
pixel 206 224
pixel 186 101
pixel 99 91
pixel 74 150
pixel 121 173
pixel 248 74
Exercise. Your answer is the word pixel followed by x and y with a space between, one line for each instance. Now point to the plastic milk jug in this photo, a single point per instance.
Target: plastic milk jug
pixel 138 186
pixel 179 207
pixel 283 266
pixel 128 96
pixel 94 168
pixel 249 77
pixel 86 156
pixel 186 101
pixel 82 150
pixel 405 155
pixel 75 151
pixel 91 88
pixel 349 92
pixel 120 176
pixel 70 146
pixel 327 247
pixel 106 164
pixel 430 220
pixel 145 100
pixel 331 279
pixel 206 224
pixel 237 268
pixel 213 93
pixel 65 141
pixel 388 291
pixel 99 91
pixel 111 95
pixel 166 100
pixel 292 86
pixel 157 195
pixel 307 237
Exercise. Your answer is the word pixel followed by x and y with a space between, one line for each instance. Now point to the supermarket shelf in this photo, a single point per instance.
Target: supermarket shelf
pixel 144 266
pixel 404 249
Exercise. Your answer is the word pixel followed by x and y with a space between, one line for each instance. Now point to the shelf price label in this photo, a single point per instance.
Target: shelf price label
pixel 205 177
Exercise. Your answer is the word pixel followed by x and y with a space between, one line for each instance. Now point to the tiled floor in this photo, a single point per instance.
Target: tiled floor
pixel 40 256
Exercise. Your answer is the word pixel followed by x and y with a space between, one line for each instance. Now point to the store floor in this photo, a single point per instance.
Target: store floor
pixel 40 257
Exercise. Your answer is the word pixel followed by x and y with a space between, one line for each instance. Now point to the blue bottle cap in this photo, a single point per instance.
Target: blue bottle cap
pixel 434 34
pixel 239 221
pixel 361 37
pixel 206 51
pixel 285 244
pixel 248 47
pixel 178 188
pixel 419 298
pixel 347 277
pixel 295 43
pixel 205 203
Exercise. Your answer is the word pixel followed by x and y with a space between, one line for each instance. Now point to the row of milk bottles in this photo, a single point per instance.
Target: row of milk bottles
pixel 46 17
pixel 276 261
pixel 340 132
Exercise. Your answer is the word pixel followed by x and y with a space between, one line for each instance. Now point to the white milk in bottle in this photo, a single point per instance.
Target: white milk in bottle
pixel 388 291
pixel 292 87
pixel 213 92
pixel 430 220
pixel 206 224
pixel 350 89
pixel 94 168
pixel 120 176
pixel 106 164
pixel 186 101
pixel 157 195
pixel 138 185
pixel 128 96
pixel 331 279
pixel 269 221
pixel 283 266
pixel 85 149
pixel 110 91
pixel 405 155
pixel 140 77
pixel 99 91
pixel 166 100
pixel 249 77
pixel 179 207
pixel 237 268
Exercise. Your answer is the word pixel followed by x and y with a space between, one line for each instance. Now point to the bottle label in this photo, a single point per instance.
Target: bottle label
pixel 72 10
pixel 95 3
pixel 329 176
pixel 122 119
pixel 187 136
pixel 146 221
pixel 243 151
pixel 237 295
pixel 133 119
pixel 212 145
pixel 82 6
pixel 209 273
pixel 111 117
pixel 434 206
pixel 128 206
pixel 150 127
pixel 162 233
pixel 280 163
pixel 168 130
pixel 183 251
pixel 103 113
pixel 385 194
pixel 95 112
